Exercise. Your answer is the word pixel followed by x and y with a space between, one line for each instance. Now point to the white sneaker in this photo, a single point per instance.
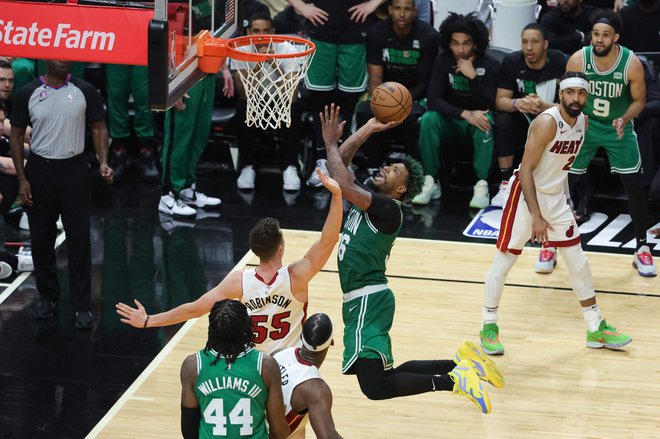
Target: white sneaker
pixel 171 205
pixel 430 191
pixel 25 263
pixel 547 260
pixel 24 223
pixel 499 200
pixel 481 196
pixel 5 270
pixel 247 177
pixel 314 179
pixel 192 197
pixel 643 262
pixel 59 223
pixel 291 181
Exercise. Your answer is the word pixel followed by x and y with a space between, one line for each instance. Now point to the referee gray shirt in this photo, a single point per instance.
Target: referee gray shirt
pixel 57 115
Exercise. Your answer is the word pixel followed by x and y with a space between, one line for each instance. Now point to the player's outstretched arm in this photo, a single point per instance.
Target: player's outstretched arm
pixel 318 254
pixel 339 158
pixel 229 288
pixel 541 132
pixel 190 414
pixel 270 372
pixel 319 404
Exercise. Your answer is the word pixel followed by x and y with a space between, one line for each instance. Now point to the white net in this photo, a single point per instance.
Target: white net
pixel 270 86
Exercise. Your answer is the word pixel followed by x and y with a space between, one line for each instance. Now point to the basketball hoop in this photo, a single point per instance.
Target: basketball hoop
pixel 270 68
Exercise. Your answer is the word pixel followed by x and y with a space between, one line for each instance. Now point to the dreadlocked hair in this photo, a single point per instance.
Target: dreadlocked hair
pixel 465 24
pixel 317 329
pixel 265 237
pixel 415 178
pixel 230 330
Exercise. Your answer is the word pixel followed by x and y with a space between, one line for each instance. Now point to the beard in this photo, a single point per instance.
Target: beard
pixel 604 52
pixel 573 112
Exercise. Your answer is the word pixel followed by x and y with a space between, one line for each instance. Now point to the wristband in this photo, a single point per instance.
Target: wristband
pixel 146 321
pixel 513 104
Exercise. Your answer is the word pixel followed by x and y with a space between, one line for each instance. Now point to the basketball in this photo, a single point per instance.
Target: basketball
pixel 391 101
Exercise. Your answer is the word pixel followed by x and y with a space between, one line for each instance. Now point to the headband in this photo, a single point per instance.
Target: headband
pixel 320 347
pixel 574 82
pixel 607 21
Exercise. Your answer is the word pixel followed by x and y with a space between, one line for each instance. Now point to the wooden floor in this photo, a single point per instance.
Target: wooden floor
pixel 556 387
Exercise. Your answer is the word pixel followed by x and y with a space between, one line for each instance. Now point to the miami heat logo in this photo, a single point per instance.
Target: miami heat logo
pixel 570 231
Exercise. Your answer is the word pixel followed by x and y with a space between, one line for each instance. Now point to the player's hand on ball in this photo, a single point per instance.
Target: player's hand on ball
pixel 132 316
pixel 378 126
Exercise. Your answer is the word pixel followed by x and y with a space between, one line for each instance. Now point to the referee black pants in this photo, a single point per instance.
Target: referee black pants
pixel 61 187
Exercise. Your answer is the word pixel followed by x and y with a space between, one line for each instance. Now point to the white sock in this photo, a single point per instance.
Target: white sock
pixel 489 315
pixel 592 316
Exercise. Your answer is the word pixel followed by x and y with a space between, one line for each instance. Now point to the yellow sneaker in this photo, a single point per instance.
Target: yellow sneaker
pixel 467 383
pixel 485 368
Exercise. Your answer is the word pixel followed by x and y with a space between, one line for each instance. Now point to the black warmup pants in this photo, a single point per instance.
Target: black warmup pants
pixel 61 187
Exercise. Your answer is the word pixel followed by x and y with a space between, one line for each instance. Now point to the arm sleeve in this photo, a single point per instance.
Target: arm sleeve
pixel 94 111
pixel 437 88
pixel 190 422
pixel 425 64
pixel 484 87
pixel 384 213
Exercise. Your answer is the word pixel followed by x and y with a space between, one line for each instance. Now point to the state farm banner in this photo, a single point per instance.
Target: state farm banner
pixel 72 32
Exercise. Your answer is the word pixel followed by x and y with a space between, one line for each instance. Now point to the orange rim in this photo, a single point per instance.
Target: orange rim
pixel 248 40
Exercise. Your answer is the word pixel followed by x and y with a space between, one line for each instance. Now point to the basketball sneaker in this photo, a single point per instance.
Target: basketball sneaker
pixel 490 339
pixel 314 180
pixel 467 383
pixel 171 205
pixel 606 337
pixel 246 179
pixel 480 196
pixel 485 368
pixel 290 179
pixel 194 198
pixel 643 262
pixel 430 191
pixel 502 194
pixel 547 260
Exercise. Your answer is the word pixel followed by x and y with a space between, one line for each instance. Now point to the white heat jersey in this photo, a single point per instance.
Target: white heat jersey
pixel 294 371
pixel 559 154
pixel 277 316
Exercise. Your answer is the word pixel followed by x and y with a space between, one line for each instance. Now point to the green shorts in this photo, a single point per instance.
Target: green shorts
pixel 342 66
pixel 623 153
pixel 367 323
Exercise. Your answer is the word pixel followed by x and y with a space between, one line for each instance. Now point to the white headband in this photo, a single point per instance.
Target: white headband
pixel 574 82
pixel 318 348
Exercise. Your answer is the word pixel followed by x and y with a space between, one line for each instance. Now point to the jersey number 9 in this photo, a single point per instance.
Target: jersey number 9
pixel 601 107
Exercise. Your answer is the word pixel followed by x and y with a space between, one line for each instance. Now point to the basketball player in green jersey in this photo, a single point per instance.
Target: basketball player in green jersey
pixel 372 225
pixel 616 97
pixel 229 388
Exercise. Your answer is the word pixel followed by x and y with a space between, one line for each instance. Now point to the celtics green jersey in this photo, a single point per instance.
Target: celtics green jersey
pixel 363 251
pixel 232 400
pixel 609 92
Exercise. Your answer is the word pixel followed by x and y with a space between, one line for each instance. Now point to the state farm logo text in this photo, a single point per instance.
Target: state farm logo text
pixel 63 36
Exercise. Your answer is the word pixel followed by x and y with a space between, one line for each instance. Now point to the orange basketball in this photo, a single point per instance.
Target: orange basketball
pixel 391 101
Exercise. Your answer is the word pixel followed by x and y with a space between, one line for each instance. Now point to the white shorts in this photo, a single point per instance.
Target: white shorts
pixel 516 225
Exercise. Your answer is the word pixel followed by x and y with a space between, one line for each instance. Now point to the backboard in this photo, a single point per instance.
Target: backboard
pixel 172 62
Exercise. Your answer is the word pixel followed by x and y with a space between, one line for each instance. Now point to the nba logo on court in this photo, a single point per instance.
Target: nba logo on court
pixel 486 224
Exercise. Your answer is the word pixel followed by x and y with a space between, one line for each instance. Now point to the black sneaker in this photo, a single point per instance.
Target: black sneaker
pixel 46 309
pixel 118 162
pixel 147 165
pixel 83 320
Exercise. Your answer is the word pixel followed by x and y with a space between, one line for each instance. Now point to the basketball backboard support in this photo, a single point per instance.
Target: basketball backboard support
pixel 172 52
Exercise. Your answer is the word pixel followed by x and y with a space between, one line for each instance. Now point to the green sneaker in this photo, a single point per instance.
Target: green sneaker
pixel 606 337
pixel 490 339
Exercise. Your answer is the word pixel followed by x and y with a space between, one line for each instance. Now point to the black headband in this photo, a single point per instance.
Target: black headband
pixel 607 21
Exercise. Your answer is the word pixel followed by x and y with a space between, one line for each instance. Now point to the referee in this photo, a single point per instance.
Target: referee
pixel 55 180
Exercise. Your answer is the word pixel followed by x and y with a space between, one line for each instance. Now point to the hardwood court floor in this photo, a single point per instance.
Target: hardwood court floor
pixel 555 387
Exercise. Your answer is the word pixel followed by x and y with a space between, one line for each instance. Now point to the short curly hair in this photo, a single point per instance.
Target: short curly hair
pixel 415 178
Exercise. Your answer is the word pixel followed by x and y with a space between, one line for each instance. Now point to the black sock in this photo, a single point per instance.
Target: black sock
pixel 506 173
pixel 442 382
pixel 640 242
